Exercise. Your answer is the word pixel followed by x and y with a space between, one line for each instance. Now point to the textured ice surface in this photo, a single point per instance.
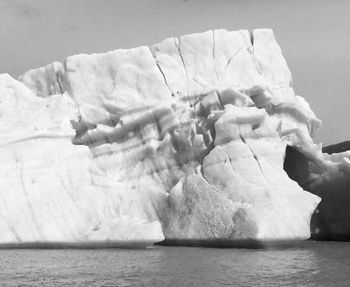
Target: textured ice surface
pixel 50 190
pixel 181 140
pixel 330 181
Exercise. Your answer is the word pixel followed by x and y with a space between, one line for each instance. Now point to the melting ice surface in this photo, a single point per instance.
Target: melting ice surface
pixel 184 140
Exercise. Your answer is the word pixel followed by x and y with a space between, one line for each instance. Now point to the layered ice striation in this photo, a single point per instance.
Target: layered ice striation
pixel 184 140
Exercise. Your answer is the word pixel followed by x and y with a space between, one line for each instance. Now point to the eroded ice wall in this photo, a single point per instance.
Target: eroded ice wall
pixel 50 190
pixel 187 140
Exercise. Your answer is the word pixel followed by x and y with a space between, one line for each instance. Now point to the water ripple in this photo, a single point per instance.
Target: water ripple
pixel 310 264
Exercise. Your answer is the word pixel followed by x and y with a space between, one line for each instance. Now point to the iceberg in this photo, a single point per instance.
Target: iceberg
pixel 183 140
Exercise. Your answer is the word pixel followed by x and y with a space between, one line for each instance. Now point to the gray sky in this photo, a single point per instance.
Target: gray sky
pixel 314 36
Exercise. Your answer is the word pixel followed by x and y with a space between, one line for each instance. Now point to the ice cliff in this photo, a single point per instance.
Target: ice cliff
pixel 184 140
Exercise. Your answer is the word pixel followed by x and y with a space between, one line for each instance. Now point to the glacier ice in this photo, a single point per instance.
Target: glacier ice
pixel 182 140
pixel 50 191
pixel 331 182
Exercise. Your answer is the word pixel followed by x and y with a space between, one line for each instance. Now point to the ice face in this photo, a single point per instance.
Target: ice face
pixel 241 191
pixel 182 140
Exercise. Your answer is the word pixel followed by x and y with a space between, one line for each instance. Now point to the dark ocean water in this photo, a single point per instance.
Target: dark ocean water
pixel 307 264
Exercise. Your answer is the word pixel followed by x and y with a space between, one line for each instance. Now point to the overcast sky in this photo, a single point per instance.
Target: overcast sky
pixel 313 34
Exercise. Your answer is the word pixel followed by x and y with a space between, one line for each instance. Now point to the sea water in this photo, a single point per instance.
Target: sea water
pixel 308 264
